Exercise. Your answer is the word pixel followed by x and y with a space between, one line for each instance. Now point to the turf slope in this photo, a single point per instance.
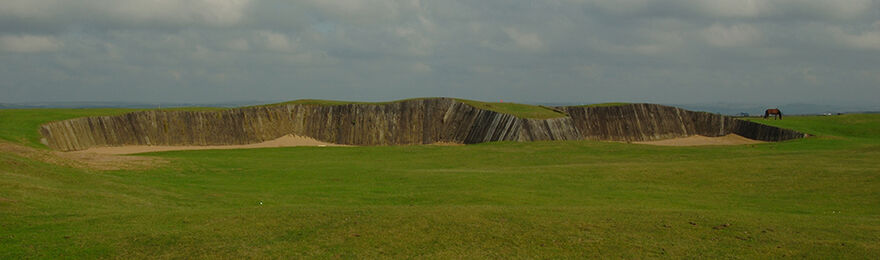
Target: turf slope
pixel 814 198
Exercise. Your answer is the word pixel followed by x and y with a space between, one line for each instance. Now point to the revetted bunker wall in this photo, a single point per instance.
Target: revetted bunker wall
pixel 647 122
pixel 422 121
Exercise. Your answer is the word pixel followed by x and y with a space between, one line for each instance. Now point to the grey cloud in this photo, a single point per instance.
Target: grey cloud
pixel 671 51
pixel 738 9
pixel 60 15
pixel 29 43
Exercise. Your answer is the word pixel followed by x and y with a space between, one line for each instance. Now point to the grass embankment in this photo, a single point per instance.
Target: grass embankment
pixel 519 110
pixel 612 104
pixel 323 102
pixel 814 198
pixel 850 126
pixel 22 126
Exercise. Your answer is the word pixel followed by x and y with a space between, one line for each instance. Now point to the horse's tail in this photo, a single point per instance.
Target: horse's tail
pixel 780 113
pixel 766 113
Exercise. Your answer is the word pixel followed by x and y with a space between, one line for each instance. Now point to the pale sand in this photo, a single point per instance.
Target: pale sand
pixel 284 141
pixel 731 139
pixel 82 160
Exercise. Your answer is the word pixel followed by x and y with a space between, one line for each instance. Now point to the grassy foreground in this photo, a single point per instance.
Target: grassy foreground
pixel 812 198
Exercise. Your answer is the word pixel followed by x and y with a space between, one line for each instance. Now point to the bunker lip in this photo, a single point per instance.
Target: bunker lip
pixel 284 141
pixel 699 140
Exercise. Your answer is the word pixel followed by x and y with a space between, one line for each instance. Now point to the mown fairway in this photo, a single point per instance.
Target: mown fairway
pixel 814 198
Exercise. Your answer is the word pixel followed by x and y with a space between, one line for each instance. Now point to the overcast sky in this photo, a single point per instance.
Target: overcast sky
pixel 583 51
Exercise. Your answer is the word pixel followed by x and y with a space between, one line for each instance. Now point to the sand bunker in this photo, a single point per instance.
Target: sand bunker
pixel 82 160
pixel 696 140
pixel 293 140
pixel 284 141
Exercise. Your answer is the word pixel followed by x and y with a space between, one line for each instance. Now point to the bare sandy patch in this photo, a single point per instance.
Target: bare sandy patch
pixel 697 140
pixel 85 160
pixel 284 141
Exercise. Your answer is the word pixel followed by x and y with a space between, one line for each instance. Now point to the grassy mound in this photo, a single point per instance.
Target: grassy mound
pixel 22 125
pixel 322 102
pixel 813 197
pixel 842 126
pixel 519 110
pixel 611 104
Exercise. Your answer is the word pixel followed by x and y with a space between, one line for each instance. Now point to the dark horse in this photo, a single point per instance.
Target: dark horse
pixel 777 114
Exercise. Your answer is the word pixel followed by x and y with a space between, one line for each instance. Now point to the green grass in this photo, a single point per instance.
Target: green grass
pixel 323 102
pixel 810 198
pixel 611 104
pixel 519 110
pixel 845 126
pixel 22 125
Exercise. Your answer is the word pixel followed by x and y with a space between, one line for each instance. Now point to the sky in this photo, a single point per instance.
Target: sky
pixel 545 51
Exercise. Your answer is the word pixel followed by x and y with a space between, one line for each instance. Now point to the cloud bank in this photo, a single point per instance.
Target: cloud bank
pixel 670 51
